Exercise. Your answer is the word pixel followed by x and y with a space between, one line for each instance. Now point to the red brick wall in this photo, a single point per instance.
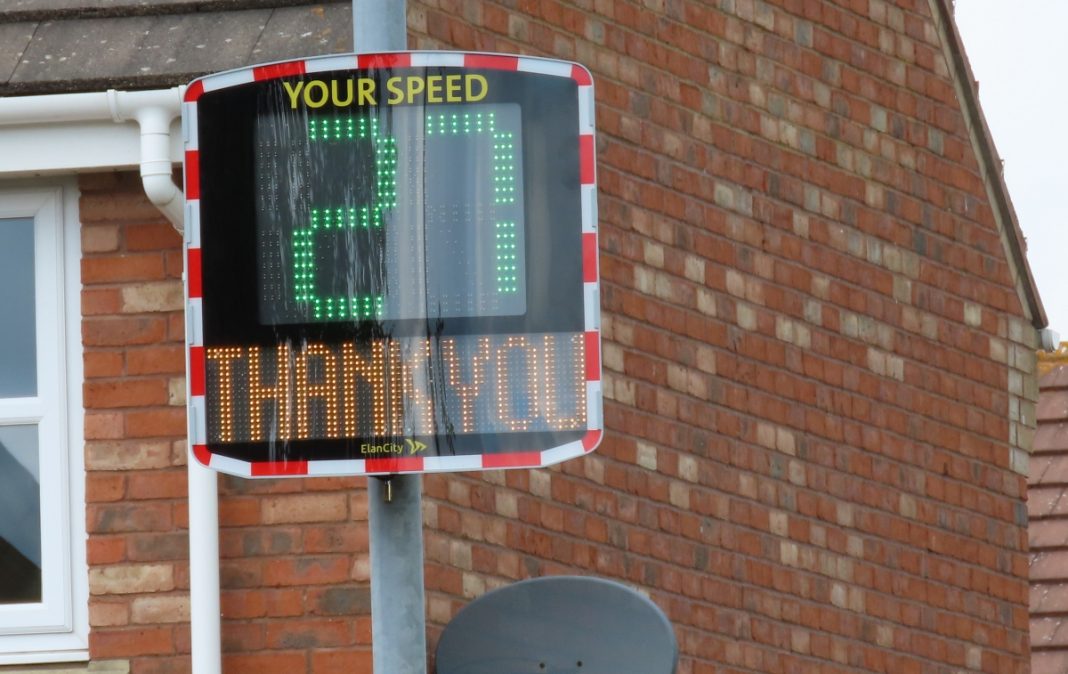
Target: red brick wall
pixel 816 369
pixel 133 333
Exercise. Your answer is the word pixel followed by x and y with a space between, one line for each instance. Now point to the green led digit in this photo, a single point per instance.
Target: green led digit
pixel 506 258
pixel 325 219
pixel 504 184
pixel 503 168
pixel 504 175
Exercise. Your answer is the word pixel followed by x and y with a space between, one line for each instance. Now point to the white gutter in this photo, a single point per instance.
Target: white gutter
pixel 154 112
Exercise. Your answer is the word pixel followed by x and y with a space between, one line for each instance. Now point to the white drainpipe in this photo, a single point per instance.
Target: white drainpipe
pixel 154 119
pixel 154 111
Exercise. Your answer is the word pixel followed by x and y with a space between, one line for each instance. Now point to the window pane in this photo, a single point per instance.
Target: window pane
pixel 18 338
pixel 20 524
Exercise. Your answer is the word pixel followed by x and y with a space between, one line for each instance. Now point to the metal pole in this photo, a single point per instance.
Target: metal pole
pixel 379 25
pixel 398 598
pixel 398 609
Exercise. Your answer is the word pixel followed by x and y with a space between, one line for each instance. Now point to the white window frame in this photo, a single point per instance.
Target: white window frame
pixel 57 628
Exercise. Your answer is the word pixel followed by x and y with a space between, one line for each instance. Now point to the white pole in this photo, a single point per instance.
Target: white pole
pixel 205 612
pixel 398 598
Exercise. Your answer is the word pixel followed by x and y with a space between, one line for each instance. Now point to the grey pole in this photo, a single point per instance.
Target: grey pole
pixel 398 614
pixel 379 25
pixel 398 597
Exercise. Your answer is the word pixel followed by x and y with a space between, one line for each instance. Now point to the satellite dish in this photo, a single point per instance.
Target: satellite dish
pixel 559 625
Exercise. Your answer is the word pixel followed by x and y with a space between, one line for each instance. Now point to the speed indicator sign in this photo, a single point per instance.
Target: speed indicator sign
pixel 392 265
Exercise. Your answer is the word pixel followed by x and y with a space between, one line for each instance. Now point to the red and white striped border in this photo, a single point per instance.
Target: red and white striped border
pixel 195 358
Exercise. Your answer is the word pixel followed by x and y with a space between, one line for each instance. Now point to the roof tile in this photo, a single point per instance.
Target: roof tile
pixel 1055 378
pixel 1044 631
pixel 1051 437
pixel 1053 405
pixel 1056 472
pixel 304 31
pixel 1049 662
pixel 14 37
pixel 1047 534
pixel 1049 598
pixel 1050 565
pixel 1046 501
pixel 1038 466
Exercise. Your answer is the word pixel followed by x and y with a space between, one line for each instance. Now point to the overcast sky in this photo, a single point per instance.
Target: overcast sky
pixel 1019 54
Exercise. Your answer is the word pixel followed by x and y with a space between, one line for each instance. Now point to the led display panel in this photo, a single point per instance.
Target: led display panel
pixel 392 265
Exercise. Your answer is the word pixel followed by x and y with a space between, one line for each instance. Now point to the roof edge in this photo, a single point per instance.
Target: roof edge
pixel 131 8
pixel 989 160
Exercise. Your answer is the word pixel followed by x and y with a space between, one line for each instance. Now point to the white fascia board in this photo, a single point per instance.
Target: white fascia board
pixel 34 149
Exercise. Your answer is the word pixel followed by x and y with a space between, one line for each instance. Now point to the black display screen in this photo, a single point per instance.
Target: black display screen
pixel 386 265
